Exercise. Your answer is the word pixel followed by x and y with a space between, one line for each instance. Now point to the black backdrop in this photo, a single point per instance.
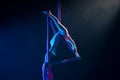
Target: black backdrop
pixel 94 25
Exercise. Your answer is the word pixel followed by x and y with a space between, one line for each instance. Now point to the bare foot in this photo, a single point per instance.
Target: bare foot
pixel 45 12
pixel 77 56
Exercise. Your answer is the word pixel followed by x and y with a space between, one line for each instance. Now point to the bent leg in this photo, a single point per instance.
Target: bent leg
pixel 58 24
pixel 54 42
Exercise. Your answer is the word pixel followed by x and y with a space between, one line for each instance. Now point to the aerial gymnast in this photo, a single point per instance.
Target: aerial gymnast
pixel 61 33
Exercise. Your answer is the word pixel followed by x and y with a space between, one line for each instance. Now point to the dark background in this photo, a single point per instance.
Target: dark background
pixel 93 24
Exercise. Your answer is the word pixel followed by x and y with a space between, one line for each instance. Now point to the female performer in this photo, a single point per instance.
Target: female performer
pixel 62 33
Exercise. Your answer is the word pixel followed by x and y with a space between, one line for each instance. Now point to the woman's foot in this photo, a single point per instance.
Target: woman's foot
pixel 46 12
pixel 77 56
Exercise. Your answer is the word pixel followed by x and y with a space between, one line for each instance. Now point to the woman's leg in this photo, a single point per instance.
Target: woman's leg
pixel 54 42
pixel 57 23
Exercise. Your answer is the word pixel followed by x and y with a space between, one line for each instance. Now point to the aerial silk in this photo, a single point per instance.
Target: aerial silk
pixel 46 67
